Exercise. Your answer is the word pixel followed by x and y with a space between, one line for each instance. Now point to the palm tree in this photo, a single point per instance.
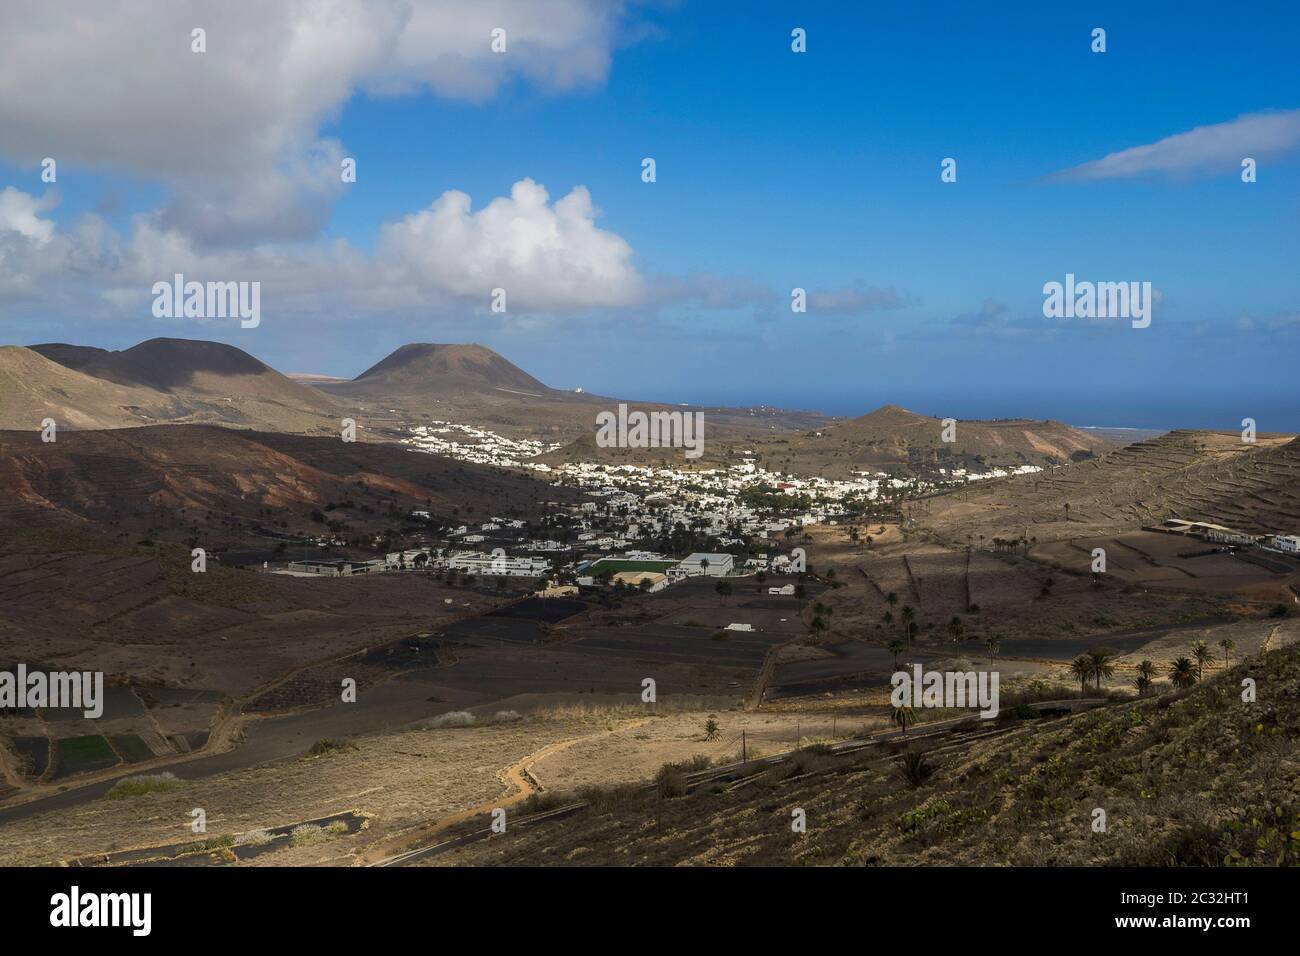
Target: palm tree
pixel 1183 673
pixel 1202 655
pixel 1102 665
pixel 1227 644
pixel 902 718
pixel 1146 675
pixel 892 598
pixel 896 647
pixel 909 621
pixel 1081 667
pixel 723 588
pixel 993 645
pixel 955 628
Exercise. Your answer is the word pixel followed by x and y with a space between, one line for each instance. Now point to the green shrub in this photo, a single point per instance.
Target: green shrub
pixel 146 783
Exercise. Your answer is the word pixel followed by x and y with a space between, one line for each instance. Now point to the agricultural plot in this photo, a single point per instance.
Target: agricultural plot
pixel 34 753
pixel 851 665
pixel 890 575
pixel 131 747
pixel 994 582
pixel 940 579
pixel 75 755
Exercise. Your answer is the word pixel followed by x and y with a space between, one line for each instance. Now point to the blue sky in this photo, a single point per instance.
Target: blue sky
pixel 775 170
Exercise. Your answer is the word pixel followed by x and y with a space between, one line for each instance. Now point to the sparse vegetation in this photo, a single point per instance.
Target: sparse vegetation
pixel 145 784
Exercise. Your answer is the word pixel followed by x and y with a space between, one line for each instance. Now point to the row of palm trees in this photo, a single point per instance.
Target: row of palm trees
pixel 1183 672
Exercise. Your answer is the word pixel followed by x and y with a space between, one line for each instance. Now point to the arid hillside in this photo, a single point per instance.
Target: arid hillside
pixel 165 380
pixel 1194 777
pixel 33 388
pixel 142 474
pixel 893 439
pixel 1201 476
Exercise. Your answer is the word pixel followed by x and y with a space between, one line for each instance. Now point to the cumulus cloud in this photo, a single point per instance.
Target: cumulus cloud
pixel 558 45
pixel 20 213
pixel 1217 148
pixel 548 256
pixel 544 255
pixel 234 132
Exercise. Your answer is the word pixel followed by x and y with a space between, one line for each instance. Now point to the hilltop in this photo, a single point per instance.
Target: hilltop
pixel 447 368
pixel 189 380
pixel 176 381
pixel 472 384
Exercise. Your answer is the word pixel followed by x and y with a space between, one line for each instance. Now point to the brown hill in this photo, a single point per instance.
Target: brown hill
pixel 446 368
pixel 169 380
pixel 33 388
pixel 896 431
pixel 473 385
pixel 893 439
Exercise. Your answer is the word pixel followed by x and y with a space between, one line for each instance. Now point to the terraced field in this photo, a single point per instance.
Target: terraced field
pixel 1199 476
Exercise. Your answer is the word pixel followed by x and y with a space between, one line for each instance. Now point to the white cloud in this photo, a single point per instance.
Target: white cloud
pixel 545 256
pixel 1218 148
pixel 20 213
pixel 559 45
pixel 234 132
pixel 549 257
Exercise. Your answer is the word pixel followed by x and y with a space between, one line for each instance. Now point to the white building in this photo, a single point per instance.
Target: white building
pixel 1287 542
pixel 714 565
pixel 499 565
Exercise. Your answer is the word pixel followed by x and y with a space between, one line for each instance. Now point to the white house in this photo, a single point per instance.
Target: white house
pixel 1287 542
